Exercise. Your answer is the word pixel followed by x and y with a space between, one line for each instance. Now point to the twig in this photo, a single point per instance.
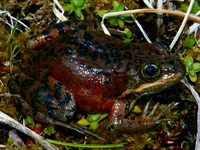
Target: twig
pixel 182 25
pixel 177 13
pixel 15 124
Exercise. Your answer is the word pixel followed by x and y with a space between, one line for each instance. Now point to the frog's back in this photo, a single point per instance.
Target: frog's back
pixel 98 51
pixel 96 67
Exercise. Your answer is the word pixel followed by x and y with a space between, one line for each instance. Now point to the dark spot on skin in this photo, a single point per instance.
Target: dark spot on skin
pixel 27 83
pixel 65 101
pixel 100 49
pixel 41 96
pixel 127 55
pixel 93 56
pixel 60 27
pixel 141 52
pixel 125 48
pixel 166 58
pixel 118 62
pixel 45 79
pixel 89 69
pixel 115 53
pixel 87 36
pixel 171 62
pixel 129 125
pixel 83 27
pixel 46 33
pixel 110 45
pixel 72 109
pixel 44 118
pixel 58 90
pixel 53 114
pixel 67 51
pixel 81 64
pixel 34 112
pixel 136 47
pixel 107 59
pixel 82 52
pixel 119 116
pixel 74 37
pixel 98 72
pixel 136 67
pixel 111 127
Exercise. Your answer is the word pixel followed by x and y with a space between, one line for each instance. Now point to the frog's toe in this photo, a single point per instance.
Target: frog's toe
pixel 152 112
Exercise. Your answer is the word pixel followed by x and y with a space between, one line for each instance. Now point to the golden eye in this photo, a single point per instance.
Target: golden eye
pixel 150 71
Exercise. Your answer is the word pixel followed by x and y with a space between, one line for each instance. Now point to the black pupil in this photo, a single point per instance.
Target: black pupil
pixel 150 70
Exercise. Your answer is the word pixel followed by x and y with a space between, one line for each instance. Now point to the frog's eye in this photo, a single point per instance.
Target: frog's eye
pixel 150 71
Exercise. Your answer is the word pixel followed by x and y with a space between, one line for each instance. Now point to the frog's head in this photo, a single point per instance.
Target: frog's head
pixel 157 71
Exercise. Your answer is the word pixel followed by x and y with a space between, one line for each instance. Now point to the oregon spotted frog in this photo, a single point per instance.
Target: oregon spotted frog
pixel 95 72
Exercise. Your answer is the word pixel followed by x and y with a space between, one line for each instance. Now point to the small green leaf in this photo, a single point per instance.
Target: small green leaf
pixel 113 22
pixel 78 12
pixel 188 60
pixel 184 7
pixel 121 23
pixel 49 130
pixel 94 125
pixel 176 134
pixel 120 7
pixel 196 67
pixel 102 12
pixel 195 7
pixel 86 5
pixel 68 7
pixel 189 41
pixel 128 33
pixel 191 73
pixel 83 122
pixel 193 78
pixel 171 134
pixel 115 5
pixel 126 40
pixel 79 3
pixel 103 116
pixel 30 122
pixel 124 16
pixel 110 11
pixel 10 141
pixel 136 109
pixel 93 117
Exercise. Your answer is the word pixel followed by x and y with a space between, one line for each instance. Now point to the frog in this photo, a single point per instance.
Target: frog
pixel 78 66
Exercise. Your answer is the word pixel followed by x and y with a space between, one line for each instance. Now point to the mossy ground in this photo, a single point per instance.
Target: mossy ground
pixel 38 15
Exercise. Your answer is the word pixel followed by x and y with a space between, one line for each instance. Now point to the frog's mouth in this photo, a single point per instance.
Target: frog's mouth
pixel 157 86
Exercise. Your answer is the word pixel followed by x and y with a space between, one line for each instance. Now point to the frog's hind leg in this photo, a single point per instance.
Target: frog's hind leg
pixel 56 105
pixel 26 108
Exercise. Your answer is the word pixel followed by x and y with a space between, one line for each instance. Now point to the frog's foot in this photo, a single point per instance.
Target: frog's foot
pixel 118 123
pixel 156 119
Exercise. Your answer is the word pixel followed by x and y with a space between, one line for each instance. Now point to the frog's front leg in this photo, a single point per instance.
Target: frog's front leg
pixel 118 123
